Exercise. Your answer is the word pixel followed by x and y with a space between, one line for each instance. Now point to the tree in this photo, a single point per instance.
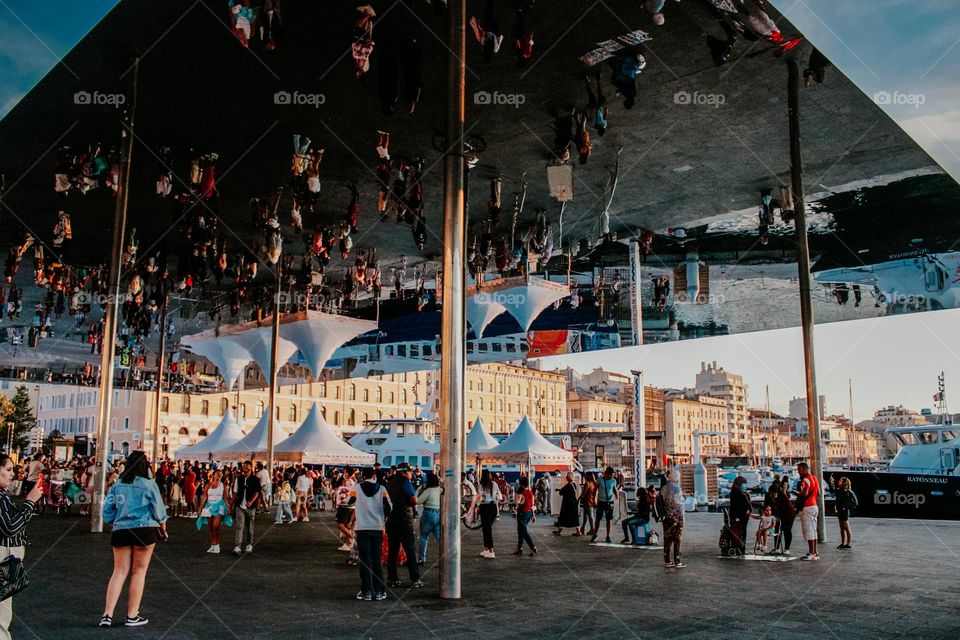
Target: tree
pixel 18 412
pixel 736 450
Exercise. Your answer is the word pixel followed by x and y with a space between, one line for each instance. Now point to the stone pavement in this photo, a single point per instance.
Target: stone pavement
pixel 899 580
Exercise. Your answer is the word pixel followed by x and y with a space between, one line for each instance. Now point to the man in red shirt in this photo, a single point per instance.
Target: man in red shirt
pixel 807 501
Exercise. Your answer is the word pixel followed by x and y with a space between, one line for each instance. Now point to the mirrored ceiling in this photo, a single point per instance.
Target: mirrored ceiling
pixel 309 135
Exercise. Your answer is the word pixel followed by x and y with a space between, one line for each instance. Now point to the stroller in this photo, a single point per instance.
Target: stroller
pixel 731 537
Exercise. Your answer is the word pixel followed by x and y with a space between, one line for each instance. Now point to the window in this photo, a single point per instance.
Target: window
pixel 366 395
pixel 336 417
pixel 242 412
pixel 185 404
pixel 205 408
pixel 183 431
pixel 259 409
pixel 116 401
pixel 337 393
pixel 164 405
pixel 224 405
pixel 351 392
pixel 388 460
pixel 352 420
pixel 403 396
pixel 379 394
pixel 126 400
pixel 292 413
pixel 393 398
pixel 126 424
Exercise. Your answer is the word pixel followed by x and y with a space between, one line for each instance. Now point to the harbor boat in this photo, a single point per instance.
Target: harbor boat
pixel 922 481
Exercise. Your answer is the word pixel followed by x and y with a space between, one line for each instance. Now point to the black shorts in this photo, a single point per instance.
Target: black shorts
pixel 139 537
pixel 843 515
pixel 344 515
pixel 604 509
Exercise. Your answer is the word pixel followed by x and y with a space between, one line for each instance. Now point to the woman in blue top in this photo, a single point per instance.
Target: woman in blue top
pixel 135 508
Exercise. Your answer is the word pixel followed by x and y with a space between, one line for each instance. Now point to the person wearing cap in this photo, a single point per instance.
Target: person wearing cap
pixel 400 526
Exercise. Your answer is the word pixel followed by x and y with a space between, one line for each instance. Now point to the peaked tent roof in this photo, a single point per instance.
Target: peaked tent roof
pixel 255 442
pixel 478 440
pixel 317 335
pixel 230 358
pixel 524 445
pixel 481 312
pixel 314 442
pixel 523 297
pixel 226 434
pixel 258 342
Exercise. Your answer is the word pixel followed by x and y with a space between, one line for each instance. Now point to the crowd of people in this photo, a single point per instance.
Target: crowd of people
pixel 384 516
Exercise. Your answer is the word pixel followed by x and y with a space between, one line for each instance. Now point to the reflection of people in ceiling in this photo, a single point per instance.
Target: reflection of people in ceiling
pixel 596 102
pixel 487 32
pixel 816 68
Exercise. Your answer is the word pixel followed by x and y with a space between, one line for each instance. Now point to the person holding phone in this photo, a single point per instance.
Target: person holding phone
pixel 13 525
pixel 134 506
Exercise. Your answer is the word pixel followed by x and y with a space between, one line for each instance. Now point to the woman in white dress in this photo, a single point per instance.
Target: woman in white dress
pixel 215 507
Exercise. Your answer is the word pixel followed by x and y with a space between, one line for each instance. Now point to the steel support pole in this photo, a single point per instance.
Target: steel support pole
pixel 274 342
pixel 803 277
pixel 161 359
pixel 110 316
pixel 639 431
pixel 453 331
pixel 636 298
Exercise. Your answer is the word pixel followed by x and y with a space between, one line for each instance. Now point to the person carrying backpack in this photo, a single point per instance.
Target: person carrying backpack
pixel 846 501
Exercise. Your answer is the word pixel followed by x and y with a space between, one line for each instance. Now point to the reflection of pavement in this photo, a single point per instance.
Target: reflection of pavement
pixel 893 583
pixel 757 298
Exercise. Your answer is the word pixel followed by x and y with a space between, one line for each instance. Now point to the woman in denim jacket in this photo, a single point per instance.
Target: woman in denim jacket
pixel 134 506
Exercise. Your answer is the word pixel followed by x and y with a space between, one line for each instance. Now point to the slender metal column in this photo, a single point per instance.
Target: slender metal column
pixel 161 360
pixel 636 297
pixel 453 331
pixel 639 431
pixel 803 277
pixel 272 421
pixel 110 316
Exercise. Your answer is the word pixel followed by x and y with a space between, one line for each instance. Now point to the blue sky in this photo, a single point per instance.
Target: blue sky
pixel 891 360
pixel 903 53
pixel 35 34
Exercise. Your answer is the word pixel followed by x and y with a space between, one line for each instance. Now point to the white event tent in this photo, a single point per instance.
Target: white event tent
pixel 526 446
pixel 314 442
pixel 226 434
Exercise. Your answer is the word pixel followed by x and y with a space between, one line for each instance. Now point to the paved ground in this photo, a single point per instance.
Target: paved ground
pixel 899 581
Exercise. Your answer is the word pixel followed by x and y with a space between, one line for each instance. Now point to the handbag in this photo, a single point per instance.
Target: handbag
pixel 13 577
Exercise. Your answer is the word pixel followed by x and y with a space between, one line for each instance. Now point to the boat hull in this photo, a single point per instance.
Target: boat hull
pixel 903 495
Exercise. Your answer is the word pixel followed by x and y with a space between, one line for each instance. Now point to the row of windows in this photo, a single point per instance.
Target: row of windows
pixel 378 395
pixel 551 395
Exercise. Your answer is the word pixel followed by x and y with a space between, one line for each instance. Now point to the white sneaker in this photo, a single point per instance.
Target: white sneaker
pixel 249 548
pixel 237 550
pixel 345 547
pixel 306 519
pixel 491 555
pixel 807 556
pixel 214 548
pixel 786 552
